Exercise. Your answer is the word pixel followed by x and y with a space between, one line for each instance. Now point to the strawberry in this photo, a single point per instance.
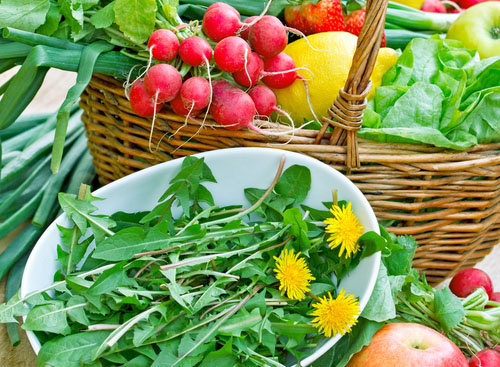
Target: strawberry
pixel 354 22
pixel 310 17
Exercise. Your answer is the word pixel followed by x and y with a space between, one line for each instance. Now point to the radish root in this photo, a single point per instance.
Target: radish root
pixel 302 35
pixel 153 123
pixel 309 99
pixel 259 17
pixel 271 73
pixel 127 85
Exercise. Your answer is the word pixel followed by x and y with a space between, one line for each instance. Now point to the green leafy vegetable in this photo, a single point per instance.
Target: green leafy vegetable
pixel 27 15
pixel 437 93
pixel 186 283
pixel 136 18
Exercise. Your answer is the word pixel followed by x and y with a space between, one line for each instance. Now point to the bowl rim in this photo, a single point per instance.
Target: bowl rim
pixel 102 191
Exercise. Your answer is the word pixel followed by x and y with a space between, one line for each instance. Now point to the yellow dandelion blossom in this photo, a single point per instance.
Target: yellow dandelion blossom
pixel 344 229
pixel 293 274
pixel 337 315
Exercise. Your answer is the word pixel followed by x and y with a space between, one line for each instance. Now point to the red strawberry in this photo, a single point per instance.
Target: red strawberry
pixel 354 23
pixel 309 18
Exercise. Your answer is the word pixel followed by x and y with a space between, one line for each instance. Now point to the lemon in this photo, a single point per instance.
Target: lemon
pixel 417 4
pixel 326 70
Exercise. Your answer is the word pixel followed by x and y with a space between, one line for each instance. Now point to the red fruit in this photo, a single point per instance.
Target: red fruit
pixel 408 345
pixel 164 44
pixel 141 102
pixel 251 74
pixel 180 108
pixel 354 22
pixel 468 280
pixel 279 66
pixel 164 80
pixel 224 6
pixel 433 6
pixel 309 18
pixel 485 358
pixel 246 29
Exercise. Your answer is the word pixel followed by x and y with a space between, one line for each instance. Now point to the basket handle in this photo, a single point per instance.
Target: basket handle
pixel 346 113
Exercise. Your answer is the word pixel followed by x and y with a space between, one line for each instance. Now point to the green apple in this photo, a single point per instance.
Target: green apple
pixel 479 28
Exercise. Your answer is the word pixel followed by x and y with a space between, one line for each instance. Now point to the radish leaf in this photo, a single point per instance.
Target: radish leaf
pixel 136 18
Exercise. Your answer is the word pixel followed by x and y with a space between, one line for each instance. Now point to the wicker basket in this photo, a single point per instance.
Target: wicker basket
pixel 448 200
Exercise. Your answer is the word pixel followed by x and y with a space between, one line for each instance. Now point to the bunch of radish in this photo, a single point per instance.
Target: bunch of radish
pixel 462 285
pixel 249 52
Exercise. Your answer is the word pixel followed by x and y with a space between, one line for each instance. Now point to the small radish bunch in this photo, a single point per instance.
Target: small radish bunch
pixel 266 36
pixel 251 51
pixel 163 83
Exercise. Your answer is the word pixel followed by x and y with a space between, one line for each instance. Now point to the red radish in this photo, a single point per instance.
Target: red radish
pixel 224 6
pixel 433 6
pixel 265 101
pixel 246 29
pixel 164 80
pixel 195 51
pixel 141 102
pixel 231 54
pixel 280 71
pixel 195 91
pixel 495 296
pixel 251 74
pixel 468 280
pixel 232 107
pixel 268 36
pixel 179 108
pixel 219 23
pixel 163 44
pixel 485 358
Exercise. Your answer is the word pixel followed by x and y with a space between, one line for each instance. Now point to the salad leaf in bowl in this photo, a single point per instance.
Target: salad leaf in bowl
pixel 236 257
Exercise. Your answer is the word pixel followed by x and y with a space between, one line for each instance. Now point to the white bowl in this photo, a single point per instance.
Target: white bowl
pixel 234 169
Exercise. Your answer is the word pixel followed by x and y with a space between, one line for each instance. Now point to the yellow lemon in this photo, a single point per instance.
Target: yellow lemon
pixel 325 68
pixel 417 4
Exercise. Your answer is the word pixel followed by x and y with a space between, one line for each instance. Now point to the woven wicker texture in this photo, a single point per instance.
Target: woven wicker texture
pixel 448 200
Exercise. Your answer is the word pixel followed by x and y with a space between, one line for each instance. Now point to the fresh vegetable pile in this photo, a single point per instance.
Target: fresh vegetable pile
pixel 189 283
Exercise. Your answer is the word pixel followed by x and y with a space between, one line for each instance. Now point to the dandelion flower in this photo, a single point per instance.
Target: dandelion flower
pixel 337 315
pixel 344 229
pixel 293 274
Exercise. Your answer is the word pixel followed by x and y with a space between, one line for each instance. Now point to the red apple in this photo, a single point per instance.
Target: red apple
pixel 468 280
pixel 485 358
pixel 409 345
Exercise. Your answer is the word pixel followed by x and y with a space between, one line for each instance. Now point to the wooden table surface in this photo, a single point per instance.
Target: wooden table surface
pixel 48 99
